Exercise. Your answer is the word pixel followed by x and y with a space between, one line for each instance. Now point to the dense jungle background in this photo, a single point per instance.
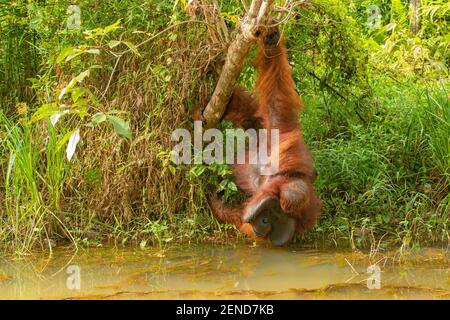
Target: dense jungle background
pixel 90 92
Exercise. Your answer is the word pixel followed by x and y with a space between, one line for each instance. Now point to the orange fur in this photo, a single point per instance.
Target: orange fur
pixel 277 107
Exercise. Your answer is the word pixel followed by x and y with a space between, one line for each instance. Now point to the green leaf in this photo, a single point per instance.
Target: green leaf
pixel 67 88
pixel 232 186
pixel 78 79
pixel 113 27
pixel 222 185
pixel 77 93
pixel 45 111
pixel 113 43
pixel 133 48
pixel 173 36
pixel 93 51
pixel 122 128
pixel 198 170
pixel 65 53
pixel 98 118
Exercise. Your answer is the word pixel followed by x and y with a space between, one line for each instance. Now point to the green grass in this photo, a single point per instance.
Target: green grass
pixel 388 178
pixel 382 149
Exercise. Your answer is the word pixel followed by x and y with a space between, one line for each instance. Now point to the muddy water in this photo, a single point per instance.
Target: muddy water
pixel 220 272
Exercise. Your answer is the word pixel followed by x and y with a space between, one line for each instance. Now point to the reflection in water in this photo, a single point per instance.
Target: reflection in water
pixel 211 271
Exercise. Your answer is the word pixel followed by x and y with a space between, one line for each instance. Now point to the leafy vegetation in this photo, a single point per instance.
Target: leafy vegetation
pixel 86 116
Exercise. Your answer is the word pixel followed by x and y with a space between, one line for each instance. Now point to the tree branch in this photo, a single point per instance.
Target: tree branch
pixel 252 27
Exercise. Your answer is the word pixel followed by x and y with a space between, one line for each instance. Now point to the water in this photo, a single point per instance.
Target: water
pixel 221 272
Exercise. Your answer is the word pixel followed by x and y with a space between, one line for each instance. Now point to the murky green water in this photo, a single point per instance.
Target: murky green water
pixel 211 271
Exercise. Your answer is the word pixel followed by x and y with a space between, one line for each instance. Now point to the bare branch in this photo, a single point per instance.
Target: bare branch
pixel 263 11
pixel 208 17
pixel 244 4
pixel 286 6
pixel 221 22
pixel 254 8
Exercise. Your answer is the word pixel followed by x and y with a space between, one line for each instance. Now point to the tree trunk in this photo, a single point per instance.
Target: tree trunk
pixel 251 28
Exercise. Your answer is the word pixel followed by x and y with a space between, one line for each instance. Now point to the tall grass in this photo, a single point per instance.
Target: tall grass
pixel 389 177
pixel 113 187
pixel 435 121
pixel 23 214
